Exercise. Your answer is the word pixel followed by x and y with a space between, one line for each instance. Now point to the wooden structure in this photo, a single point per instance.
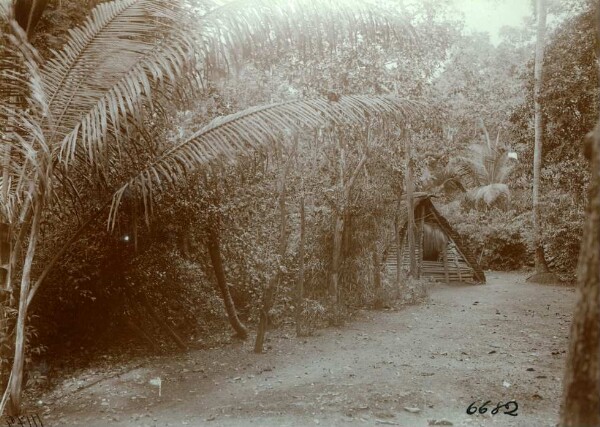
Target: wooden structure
pixel 441 253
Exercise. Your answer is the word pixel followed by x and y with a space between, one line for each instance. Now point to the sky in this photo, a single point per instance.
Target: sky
pixel 490 15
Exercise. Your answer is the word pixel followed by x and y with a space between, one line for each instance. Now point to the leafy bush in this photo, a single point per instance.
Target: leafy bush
pixel 497 237
pixel 314 316
pixel 562 230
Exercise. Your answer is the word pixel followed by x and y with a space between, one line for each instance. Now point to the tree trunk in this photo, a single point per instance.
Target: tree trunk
pixel 338 235
pixel 581 386
pixel 16 376
pixel 269 295
pixel 347 237
pixel 421 241
pixel 6 295
pixel 338 231
pixel 214 250
pixel 300 283
pixel 377 279
pixel 398 238
pixel 4 302
pixel 445 260
pixel 540 262
pixel 28 292
pixel 263 322
pixel 4 256
pixel 410 207
pixel 399 242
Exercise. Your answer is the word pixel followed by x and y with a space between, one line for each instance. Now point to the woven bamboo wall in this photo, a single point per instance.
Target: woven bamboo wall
pixel 458 269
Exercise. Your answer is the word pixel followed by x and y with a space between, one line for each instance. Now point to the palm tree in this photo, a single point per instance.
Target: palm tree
pixel 76 114
pixel 482 170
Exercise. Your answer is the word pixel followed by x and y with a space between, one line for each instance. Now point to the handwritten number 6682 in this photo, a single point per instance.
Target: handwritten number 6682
pixel 472 409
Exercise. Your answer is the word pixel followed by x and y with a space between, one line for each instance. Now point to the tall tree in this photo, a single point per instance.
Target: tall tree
pixel 269 293
pixel 410 207
pixel 541 267
pixel 299 300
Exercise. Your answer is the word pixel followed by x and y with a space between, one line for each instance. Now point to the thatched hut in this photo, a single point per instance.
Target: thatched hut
pixel 441 253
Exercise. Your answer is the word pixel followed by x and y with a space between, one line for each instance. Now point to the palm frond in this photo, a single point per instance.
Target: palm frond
pixel 21 100
pixel 482 164
pixel 468 170
pixel 257 127
pixel 489 193
pixel 20 78
pixel 106 69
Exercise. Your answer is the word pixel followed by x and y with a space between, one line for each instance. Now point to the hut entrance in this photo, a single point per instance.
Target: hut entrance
pixel 441 252
pixel 434 242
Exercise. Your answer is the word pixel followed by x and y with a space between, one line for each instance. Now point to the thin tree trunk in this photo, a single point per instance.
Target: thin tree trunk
pixel 300 283
pixel 5 244
pixel 4 256
pixel 269 295
pixel 10 301
pixel 263 322
pixel 581 386
pixel 377 279
pixel 338 233
pixel 214 250
pixel 445 260
pixel 398 237
pixel 16 378
pixel 398 242
pixel 540 262
pixel 421 241
pixel 347 237
pixel 410 207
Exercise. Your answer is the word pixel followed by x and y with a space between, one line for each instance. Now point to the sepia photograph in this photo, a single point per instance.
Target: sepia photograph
pixel 273 213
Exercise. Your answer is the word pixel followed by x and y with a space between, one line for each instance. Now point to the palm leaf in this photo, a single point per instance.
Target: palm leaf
pixel 105 71
pixel 489 193
pixel 258 127
pixel 21 100
pixel 482 164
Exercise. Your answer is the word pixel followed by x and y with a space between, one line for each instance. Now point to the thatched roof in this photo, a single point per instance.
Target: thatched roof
pixel 434 216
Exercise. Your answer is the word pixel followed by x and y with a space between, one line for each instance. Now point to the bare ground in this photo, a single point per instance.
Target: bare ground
pixel 414 366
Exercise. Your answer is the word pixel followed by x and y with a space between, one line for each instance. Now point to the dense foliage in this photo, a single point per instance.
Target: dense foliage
pixel 150 279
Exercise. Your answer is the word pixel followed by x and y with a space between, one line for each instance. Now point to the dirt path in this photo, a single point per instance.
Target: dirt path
pixel 498 342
